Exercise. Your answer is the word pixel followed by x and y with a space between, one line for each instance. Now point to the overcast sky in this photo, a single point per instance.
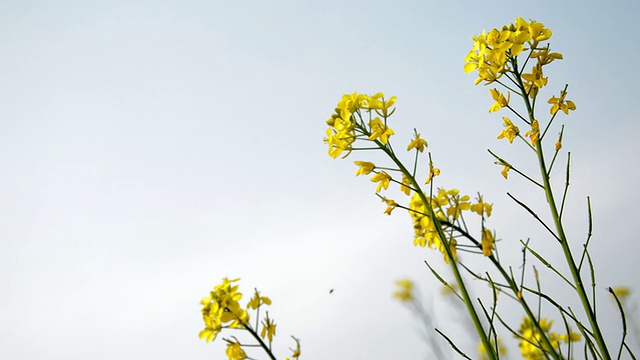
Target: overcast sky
pixel 150 148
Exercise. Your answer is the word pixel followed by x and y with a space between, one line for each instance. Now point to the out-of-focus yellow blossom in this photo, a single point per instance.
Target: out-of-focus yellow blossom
pixel 501 101
pixel 488 242
pixel 534 133
pixel 383 179
pixel 405 290
pixel 561 104
pixel 268 328
pixel 433 171
pixel 221 307
pixel 531 345
pixel 390 206
pixel 505 171
pixel 481 208
pixel 418 143
pixel 510 131
pixel 234 350
pixel 296 351
pixel 405 187
pixel 622 292
pixel 502 350
pixel 365 167
pixel 380 131
pixel 258 300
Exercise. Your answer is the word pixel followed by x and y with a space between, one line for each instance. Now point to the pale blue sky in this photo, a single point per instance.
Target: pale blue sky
pixel 150 148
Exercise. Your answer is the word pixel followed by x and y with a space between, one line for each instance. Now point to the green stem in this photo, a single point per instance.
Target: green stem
pixel 452 261
pixel 563 238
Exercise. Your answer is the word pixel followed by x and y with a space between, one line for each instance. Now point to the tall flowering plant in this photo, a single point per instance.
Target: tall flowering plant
pixel 512 60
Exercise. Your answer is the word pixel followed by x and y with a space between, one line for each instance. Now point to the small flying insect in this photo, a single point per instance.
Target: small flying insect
pixel 331 291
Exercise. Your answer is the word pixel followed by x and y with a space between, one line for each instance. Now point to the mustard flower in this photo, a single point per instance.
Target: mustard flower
pixel 510 131
pixel 457 204
pixel 296 351
pixel 622 292
pixel 534 133
pixel 220 308
pixel 481 208
pixel 390 205
pixel 505 171
pixel 531 345
pixel 377 103
pixel 405 187
pixel 268 328
pixel 561 104
pixel 258 300
pixel 534 81
pixel 380 131
pixel 365 167
pixel 502 350
pixel 433 171
pixel 234 350
pixel 405 290
pixel 418 143
pixel 383 179
pixel 488 242
pixel 501 101
pixel 492 51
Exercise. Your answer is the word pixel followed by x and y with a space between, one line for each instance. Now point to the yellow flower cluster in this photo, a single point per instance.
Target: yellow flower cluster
pixel 447 206
pixel 220 307
pixel 531 346
pixel 492 52
pixel 346 124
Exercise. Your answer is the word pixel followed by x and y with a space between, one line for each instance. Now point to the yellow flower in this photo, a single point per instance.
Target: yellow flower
pixel 502 350
pixel 377 103
pixel 433 171
pixel 405 290
pixel 234 351
pixel 510 131
pixel 531 345
pixel 505 171
pixel 220 308
pixel 365 167
pixel 296 351
pixel 418 143
pixel 390 205
pixel 534 81
pixel 383 179
pixel 488 242
pixel 561 104
pixel 622 292
pixel 405 187
pixel 482 208
pixel 268 328
pixel 258 300
pixel 534 133
pixel 379 130
pixel 501 101
pixel 341 132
